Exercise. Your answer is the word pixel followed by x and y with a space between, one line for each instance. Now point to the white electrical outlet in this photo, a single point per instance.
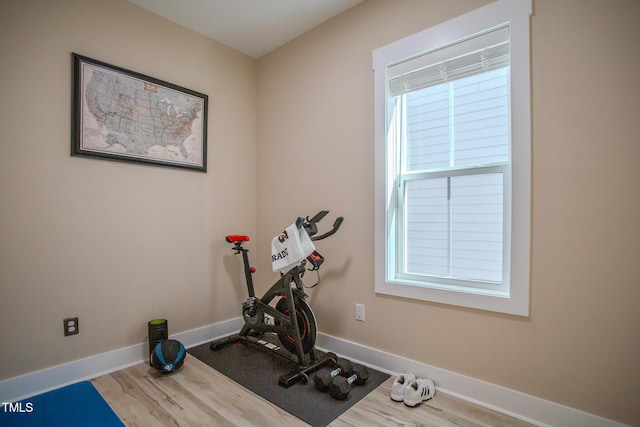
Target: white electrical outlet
pixel 360 312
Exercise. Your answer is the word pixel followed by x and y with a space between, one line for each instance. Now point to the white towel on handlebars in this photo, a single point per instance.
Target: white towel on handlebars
pixel 290 247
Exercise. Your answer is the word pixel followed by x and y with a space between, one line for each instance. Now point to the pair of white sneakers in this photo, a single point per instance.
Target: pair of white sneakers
pixel 411 390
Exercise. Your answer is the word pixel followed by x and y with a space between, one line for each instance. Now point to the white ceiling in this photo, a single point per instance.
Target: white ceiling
pixel 254 27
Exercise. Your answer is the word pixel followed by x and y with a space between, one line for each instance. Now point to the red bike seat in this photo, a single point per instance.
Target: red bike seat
pixel 233 238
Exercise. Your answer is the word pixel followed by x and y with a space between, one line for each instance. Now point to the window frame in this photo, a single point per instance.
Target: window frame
pixel 514 299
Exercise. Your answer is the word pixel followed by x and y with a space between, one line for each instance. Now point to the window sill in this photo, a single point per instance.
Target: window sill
pixel 482 299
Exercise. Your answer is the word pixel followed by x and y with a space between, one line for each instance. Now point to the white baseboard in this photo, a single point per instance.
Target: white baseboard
pixel 27 385
pixel 531 409
pixel 525 407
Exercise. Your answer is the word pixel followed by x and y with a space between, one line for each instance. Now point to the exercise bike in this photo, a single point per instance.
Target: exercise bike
pixel 283 309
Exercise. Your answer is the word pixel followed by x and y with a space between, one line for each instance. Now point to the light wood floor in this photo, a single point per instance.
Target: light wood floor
pixel 198 395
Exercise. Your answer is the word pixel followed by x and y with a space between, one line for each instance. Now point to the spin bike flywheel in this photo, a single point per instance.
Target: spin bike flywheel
pixel 306 325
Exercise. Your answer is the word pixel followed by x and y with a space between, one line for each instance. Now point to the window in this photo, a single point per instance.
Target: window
pixel 453 138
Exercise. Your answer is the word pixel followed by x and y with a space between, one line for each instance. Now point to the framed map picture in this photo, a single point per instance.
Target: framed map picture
pixel 126 116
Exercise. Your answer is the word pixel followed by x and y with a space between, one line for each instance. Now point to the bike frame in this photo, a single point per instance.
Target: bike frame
pixel 282 288
pixel 290 287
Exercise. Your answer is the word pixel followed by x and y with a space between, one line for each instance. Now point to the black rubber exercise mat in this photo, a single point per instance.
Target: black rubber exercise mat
pixel 259 371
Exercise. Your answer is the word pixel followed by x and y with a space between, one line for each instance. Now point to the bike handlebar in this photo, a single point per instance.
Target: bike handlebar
pixel 309 224
pixel 312 229
pixel 336 226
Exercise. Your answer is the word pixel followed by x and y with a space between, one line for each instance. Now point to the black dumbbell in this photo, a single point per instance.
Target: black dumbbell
pixel 340 387
pixel 324 377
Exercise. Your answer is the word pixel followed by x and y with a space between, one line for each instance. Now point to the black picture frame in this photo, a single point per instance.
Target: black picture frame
pixel 126 116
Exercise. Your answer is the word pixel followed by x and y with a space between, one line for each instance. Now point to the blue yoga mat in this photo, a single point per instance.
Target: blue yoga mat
pixel 76 405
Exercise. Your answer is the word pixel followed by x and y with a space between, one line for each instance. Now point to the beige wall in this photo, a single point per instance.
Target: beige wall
pixel 119 244
pixel 115 244
pixel 580 346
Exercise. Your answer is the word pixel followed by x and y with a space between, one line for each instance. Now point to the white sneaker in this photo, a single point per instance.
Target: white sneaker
pixel 418 391
pixel 400 385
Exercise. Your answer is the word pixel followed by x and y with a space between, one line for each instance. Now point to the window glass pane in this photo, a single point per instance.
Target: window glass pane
pixel 428 128
pixel 476 227
pixel 455 232
pixel 481 119
pixel 427 227
pixel 458 124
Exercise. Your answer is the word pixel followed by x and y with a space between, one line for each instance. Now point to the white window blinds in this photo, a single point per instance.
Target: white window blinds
pixel 478 54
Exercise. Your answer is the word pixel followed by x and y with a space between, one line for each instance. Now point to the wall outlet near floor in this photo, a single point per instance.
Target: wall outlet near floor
pixel 70 326
pixel 360 312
